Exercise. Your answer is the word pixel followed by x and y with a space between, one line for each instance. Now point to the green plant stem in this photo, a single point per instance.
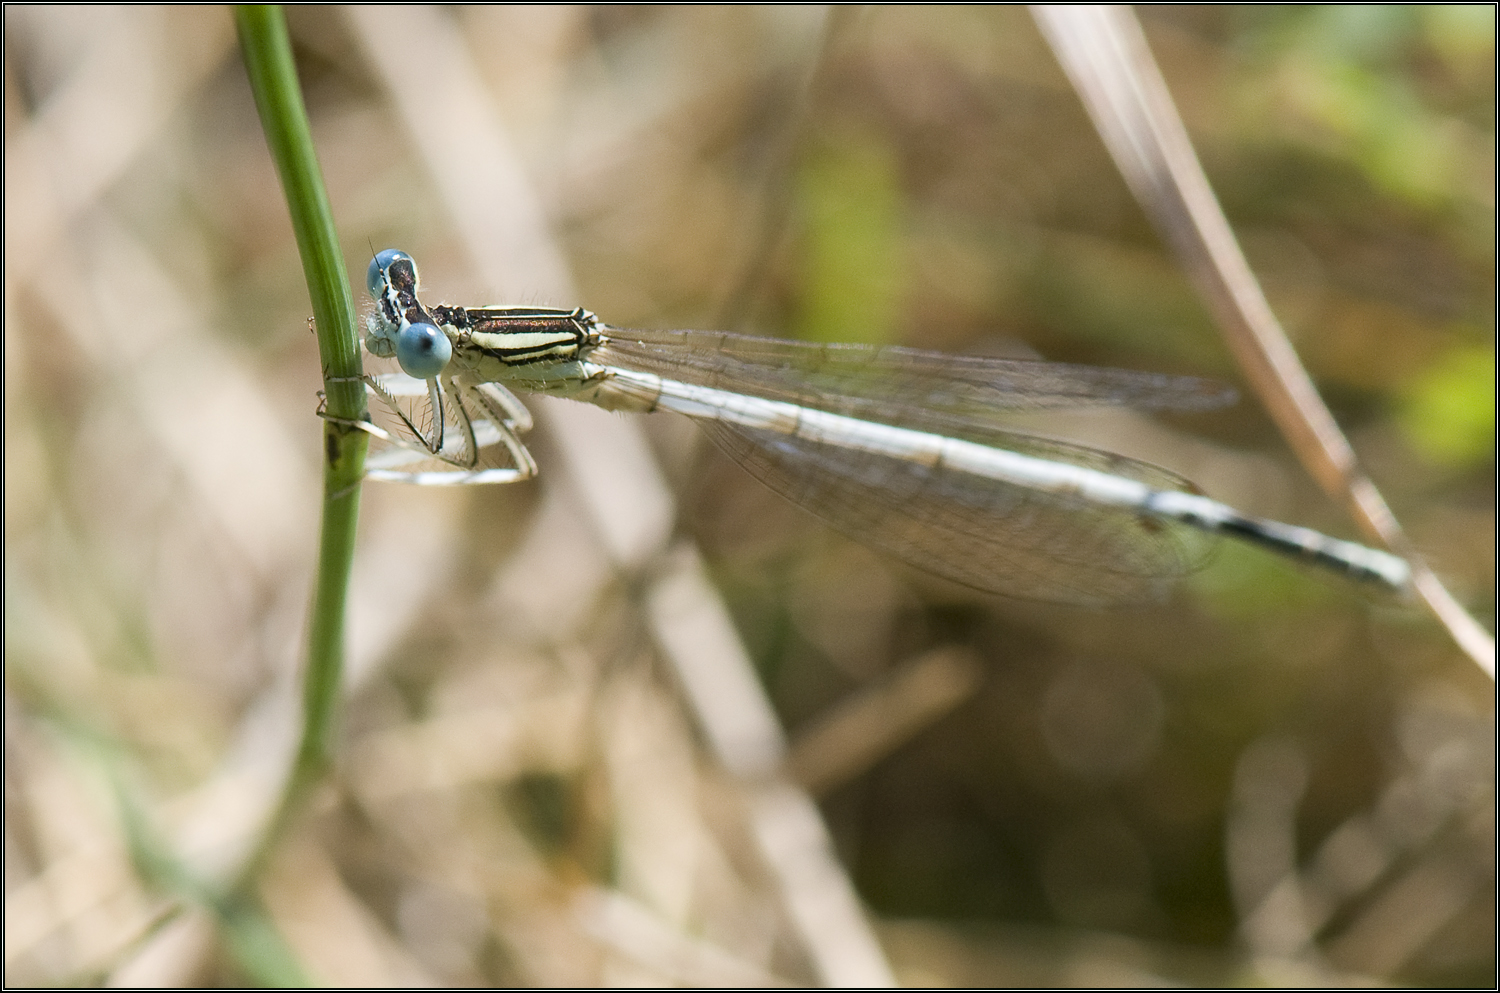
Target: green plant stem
pixel 278 97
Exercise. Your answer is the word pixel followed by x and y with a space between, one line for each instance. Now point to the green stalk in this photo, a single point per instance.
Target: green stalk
pixel 273 78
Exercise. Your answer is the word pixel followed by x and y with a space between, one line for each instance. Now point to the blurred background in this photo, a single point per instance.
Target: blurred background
pixel 1270 778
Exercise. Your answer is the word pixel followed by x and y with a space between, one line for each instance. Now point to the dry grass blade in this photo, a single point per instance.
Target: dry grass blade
pixel 1105 55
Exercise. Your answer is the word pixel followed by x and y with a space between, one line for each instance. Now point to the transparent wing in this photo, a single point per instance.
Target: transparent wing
pixel 990 535
pixel 473 441
pixel 903 386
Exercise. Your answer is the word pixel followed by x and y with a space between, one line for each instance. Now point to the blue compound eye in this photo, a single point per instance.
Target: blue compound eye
pixel 375 275
pixel 422 350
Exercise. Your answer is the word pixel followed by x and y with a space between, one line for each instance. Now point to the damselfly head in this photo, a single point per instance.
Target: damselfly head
pixel 421 347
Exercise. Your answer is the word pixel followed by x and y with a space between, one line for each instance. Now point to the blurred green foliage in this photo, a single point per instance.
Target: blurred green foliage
pixel 1374 84
pixel 853 227
pixel 1449 408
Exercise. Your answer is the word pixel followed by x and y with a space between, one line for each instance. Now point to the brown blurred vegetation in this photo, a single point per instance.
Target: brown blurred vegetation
pixel 1271 778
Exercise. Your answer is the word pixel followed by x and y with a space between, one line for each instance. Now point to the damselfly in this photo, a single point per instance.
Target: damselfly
pixel 903 450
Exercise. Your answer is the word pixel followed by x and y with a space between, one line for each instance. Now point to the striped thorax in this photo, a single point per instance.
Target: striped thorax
pixel 536 349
